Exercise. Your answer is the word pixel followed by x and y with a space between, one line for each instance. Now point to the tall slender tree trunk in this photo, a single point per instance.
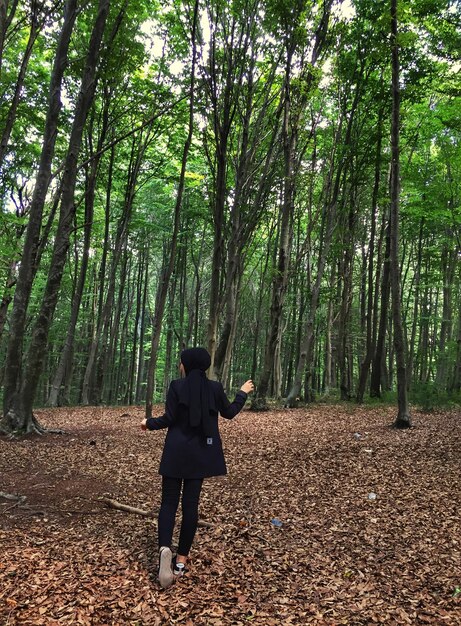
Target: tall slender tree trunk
pixel 106 373
pixel 38 344
pixel 378 362
pixel 280 280
pixel 403 416
pixel 27 268
pixel 3 27
pixel 64 361
pixel 104 300
pixel 416 308
pixel 137 319
pixel 258 309
pixel 12 111
pixel 142 332
pixel 7 12
pixel 370 297
pixel 307 342
pixel 346 300
pixel 167 270
pixel 7 295
pixel 448 259
pixel 66 354
pixel 329 213
pixel 455 385
pixel 234 271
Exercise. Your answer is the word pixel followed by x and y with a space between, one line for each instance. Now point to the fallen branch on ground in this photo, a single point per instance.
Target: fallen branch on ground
pixel 12 496
pixel 113 504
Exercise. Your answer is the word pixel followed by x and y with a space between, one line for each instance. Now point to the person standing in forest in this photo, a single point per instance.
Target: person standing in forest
pixel 192 451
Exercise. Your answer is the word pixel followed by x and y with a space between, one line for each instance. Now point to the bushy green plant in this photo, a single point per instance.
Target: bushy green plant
pixel 429 396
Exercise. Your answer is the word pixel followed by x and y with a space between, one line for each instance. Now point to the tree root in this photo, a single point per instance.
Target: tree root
pixel 13 426
pixel 38 429
pixel 402 422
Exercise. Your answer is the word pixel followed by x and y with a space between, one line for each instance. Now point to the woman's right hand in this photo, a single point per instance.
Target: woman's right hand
pixel 247 387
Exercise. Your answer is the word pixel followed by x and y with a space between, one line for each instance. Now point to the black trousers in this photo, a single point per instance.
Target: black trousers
pixel 171 492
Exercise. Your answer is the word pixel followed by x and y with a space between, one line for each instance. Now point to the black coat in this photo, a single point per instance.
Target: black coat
pixel 187 453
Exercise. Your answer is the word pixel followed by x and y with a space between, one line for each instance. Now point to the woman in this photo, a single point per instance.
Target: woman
pixel 192 452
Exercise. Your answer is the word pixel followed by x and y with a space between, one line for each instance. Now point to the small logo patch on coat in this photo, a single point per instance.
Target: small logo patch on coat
pixel 209 441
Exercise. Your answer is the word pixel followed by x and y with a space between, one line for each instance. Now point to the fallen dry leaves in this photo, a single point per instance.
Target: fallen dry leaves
pixel 296 538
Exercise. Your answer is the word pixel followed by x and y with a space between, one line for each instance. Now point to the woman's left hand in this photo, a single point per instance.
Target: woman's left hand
pixel 144 424
pixel 247 387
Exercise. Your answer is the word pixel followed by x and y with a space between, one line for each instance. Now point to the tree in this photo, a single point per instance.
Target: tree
pixel 167 269
pixel 403 416
pixel 253 213
pixel 292 115
pixel 23 374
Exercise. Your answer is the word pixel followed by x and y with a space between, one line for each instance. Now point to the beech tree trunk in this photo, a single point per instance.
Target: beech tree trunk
pixel 370 343
pixel 106 296
pixel 251 189
pixel 455 385
pixel 416 309
pixel 142 332
pixel 306 348
pixel 67 351
pixel 20 394
pixel 448 261
pixel 403 416
pixel 378 362
pixel 7 295
pixel 12 420
pixel 6 17
pixel 280 280
pixel 332 190
pixel 11 116
pixel 167 270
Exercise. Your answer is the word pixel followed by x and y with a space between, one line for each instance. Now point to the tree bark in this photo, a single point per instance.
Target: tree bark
pixel 65 358
pixel 142 332
pixel 66 354
pixel 448 259
pixel 5 20
pixel 280 280
pixel 403 416
pixel 18 407
pixel 378 362
pixel 11 116
pixel 329 214
pixel 370 297
pixel 252 187
pixel 7 295
pixel 27 268
pixel 455 386
pixel 416 308
pixel 106 376
pixel 167 270
pixel 104 301
pixel 131 382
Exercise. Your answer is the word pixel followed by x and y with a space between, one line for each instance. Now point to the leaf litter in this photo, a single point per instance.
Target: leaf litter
pixel 292 535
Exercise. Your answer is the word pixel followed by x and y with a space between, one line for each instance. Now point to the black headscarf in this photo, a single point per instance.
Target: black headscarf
pixel 196 390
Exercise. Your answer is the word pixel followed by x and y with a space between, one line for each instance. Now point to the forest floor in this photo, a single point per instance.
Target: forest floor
pixel 295 534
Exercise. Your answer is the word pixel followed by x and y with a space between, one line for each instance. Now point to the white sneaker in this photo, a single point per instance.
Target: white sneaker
pixel 165 572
